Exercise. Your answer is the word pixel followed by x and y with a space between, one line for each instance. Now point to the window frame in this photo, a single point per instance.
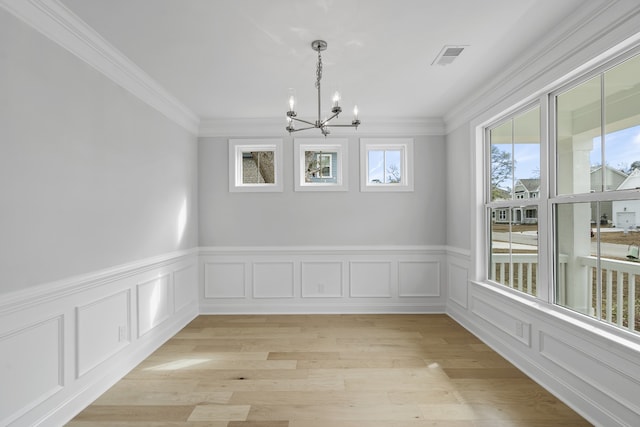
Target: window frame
pixel 239 146
pixel 405 146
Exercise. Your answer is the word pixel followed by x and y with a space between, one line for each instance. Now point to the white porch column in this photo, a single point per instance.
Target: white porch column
pixel 573 232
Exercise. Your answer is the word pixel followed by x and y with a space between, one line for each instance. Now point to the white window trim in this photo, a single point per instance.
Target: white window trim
pixel 239 146
pixel 338 146
pixel 405 145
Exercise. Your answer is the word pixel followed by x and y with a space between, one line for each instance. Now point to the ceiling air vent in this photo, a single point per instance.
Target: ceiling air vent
pixel 447 55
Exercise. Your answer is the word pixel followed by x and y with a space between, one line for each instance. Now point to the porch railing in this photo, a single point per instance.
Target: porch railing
pixel 617 277
pixel 618 297
pixel 520 271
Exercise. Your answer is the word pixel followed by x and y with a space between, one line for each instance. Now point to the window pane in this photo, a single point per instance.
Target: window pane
pixel 597 262
pixel 320 166
pixel 502 161
pixel 258 167
pixel 393 171
pixel 579 153
pixel 325 166
pixel 622 130
pixel 514 248
pixel 376 166
pixel 526 149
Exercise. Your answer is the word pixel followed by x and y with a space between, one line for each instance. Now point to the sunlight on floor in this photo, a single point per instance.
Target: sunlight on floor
pixel 177 365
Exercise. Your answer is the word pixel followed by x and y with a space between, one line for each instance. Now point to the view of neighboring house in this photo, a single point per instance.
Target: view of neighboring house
pixel 625 212
pixel 621 214
pixel 611 179
pixel 523 189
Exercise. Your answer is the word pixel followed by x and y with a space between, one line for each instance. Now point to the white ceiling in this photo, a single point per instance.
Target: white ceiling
pixel 239 58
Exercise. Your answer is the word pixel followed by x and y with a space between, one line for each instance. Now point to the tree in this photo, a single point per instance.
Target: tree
pixel 393 172
pixel 264 162
pixel 634 165
pixel 502 168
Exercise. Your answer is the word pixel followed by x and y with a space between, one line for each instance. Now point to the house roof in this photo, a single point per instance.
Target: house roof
pixel 530 184
pixel 610 169
pixel 632 181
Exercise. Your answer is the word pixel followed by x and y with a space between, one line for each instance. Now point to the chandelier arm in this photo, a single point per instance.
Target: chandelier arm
pixel 329 119
pixel 341 126
pixel 298 130
pixel 303 121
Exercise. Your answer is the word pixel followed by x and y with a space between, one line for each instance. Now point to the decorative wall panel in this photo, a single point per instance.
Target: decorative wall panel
pixel 103 328
pixel 153 303
pixel 322 279
pixel 224 280
pixel 273 280
pixel 184 292
pixel 418 279
pixel 31 368
pixel 370 279
pixel 458 284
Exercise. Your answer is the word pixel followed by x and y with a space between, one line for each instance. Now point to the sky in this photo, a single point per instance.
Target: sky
pixel 622 149
pixel 381 160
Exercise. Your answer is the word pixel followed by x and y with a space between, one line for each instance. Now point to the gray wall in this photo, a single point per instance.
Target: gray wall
pixel 322 218
pixel 458 173
pixel 90 177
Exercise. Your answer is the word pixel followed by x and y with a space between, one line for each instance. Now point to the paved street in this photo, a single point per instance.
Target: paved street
pixel 529 241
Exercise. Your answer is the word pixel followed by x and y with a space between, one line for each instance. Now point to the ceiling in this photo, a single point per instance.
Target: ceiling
pixel 240 58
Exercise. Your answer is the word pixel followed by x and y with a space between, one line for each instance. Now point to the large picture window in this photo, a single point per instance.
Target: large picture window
pixel 572 198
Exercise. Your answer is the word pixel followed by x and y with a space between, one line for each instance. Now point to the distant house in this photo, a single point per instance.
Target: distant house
pixel 610 180
pixel 626 213
pixel 523 189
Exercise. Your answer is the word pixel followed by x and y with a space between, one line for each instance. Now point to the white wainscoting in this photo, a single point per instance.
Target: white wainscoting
pixel 595 372
pixel 322 280
pixel 63 344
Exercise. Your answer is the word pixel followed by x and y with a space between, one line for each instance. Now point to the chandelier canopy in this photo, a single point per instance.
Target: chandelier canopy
pixel 323 125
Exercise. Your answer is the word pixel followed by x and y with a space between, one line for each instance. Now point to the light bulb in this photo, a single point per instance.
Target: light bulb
pixel 292 102
pixel 336 99
pixel 355 112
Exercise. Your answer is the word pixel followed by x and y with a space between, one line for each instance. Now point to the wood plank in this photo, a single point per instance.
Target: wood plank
pixel 326 370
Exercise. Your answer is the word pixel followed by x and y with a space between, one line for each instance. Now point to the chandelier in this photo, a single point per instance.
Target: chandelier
pixel 323 125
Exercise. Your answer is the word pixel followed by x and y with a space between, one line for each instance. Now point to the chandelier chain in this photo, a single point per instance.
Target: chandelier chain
pixel 319 70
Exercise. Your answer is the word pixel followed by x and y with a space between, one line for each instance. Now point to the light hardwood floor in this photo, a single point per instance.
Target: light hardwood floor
pixel 326 371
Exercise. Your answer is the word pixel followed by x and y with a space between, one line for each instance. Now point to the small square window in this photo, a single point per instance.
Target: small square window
pixel 255 165
pixel 386 164
pixel 319 164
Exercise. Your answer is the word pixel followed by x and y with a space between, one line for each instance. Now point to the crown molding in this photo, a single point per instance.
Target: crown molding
pixel 59 24
pixel 275 127
pixel 586 34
